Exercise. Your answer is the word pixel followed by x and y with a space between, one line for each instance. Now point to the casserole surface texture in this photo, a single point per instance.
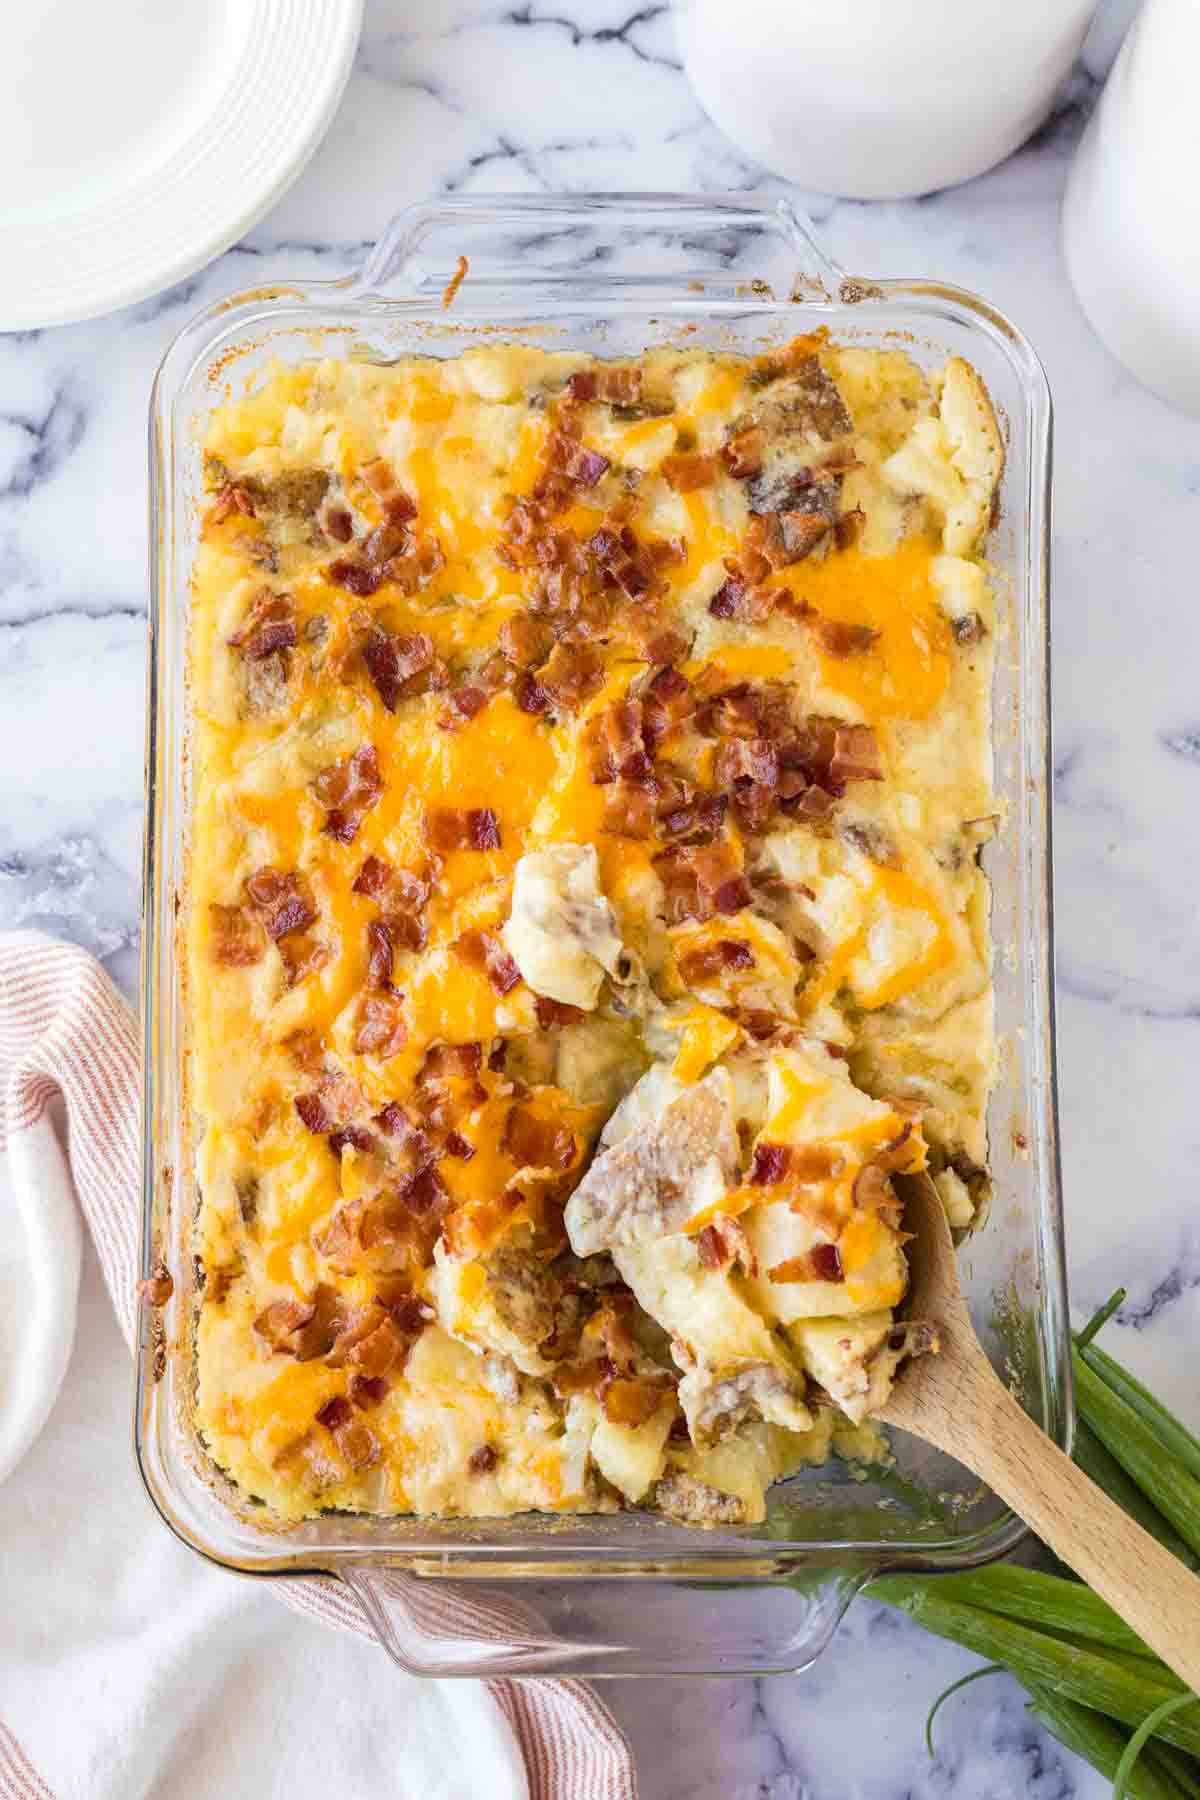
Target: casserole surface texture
pixel 585 922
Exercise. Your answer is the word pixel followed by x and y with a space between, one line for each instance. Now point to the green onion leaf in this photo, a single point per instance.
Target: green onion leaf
pixel 1166 1427
pixel 1047 1602
pixel 1100 1317
pixel 1147 1729
pixel 1157 1471
pixel 1099 1742
pixel 962 1682
pixel 1117 1687
pixel 1104 1469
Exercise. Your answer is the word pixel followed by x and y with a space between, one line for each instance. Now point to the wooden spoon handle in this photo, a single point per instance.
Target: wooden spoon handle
pixel 1141 1580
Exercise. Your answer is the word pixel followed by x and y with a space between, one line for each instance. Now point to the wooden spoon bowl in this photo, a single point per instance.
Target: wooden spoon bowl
pixel 955 1400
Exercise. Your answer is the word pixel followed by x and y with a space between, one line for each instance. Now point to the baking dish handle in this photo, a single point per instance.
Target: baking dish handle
pixel 747 248
pixel 602 1626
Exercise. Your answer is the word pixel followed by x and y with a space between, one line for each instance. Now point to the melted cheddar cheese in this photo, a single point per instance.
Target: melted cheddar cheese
pixel 587 758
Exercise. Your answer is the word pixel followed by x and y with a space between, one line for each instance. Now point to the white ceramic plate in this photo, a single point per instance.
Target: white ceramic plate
pixel 140 138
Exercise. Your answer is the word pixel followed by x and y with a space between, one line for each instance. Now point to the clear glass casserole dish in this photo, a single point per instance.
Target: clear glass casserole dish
pixel 614 275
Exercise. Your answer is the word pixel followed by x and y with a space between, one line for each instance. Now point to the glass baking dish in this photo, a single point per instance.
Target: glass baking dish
pixel 613 274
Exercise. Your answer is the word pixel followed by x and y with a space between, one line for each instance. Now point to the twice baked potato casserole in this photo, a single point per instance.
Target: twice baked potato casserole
pixel 584 929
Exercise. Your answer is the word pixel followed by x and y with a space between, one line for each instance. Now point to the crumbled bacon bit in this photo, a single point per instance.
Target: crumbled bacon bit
pixel 335 1412
pixel 617 745
pixel 415 568
pixel 270 626
pixel 827 1262
pixel 393 1121
pixel 699 820
pixel 379 1350
pixel 379 954
pixel 279 1322
pixel 837 638
pixel 302 954
pixel 732 895
pixel 352 1137
pixel 237 938
pixel 769 1164
pixel 582 386
pixel 336 522
pixel 231 499
pixel 410 1312
pixel 482 950
pixel 666 647
pixel 742 453
pixel 855 755
pixel 530 695
pixel 448 1062
pixel 688 470
pixel 157 1288
pixel 620 383
pixel 813 805
pixel 483 1460
pixel 554 1012
pixel 872 1188
pixel 313 1112
pixel 463 705
pixel 573 462
pixel 628 809
pixel 667 703
pixel 394 662
pixel 572 675
pixel 525 640
pixel 357 578
pixel 358 1444
pixel 281 901
pixel 449 828
pixel 702 879
pixel 349 790
pixel 724 1243
pixel 367 1390
pixel 458 1146
pixel 748 769
pixel 380 1030
pixel 822 1263
pixel 758 1023
pixel 624 562
pixel 585 467
pixel 784 538
pixel 422 1192
pixel 740 599
pixel 536 1143
pixel 373 878
pixel 707 962
pixel 455 282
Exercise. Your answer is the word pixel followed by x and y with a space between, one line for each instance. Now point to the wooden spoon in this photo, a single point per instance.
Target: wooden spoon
pixel 957 1402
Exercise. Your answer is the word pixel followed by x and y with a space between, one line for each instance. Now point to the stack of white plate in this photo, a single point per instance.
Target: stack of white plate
pixel 140 138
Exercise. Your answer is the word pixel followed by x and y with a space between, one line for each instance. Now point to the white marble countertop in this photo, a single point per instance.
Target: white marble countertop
pixel 461 95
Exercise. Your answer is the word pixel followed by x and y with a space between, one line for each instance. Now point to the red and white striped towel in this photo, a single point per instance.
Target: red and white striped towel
pixel 69 1074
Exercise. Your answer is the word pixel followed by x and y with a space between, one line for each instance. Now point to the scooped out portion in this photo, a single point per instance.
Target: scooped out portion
pixel 585 928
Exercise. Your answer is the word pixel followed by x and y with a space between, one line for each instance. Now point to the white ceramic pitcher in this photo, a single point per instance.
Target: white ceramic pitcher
pixel 1131 216
pixel 874 99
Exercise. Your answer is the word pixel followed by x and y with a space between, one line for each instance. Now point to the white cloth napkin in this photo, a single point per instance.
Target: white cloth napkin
pixel 128 1666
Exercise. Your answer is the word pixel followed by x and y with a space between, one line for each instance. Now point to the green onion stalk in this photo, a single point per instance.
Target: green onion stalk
pixel 1091 1680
